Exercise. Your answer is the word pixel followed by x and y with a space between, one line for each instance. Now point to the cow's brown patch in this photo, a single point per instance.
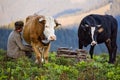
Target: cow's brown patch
pixel 100 30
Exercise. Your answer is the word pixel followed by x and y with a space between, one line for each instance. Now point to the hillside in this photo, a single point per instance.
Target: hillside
pixel 76 18
pixel 12 10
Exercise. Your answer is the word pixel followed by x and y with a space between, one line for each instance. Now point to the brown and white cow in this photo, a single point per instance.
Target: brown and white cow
pixel 39 31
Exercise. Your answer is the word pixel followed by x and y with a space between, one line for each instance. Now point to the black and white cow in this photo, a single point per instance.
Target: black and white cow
pixel 95 29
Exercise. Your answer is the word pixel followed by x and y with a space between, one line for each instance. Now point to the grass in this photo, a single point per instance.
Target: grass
pixel 59 68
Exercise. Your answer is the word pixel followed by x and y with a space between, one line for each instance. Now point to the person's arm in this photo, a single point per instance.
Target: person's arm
pixel 18 40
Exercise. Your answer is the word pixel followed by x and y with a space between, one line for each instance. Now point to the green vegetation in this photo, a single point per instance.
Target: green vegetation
pixel 59 69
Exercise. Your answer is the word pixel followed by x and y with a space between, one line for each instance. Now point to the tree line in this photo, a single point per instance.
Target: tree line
pixel 66 37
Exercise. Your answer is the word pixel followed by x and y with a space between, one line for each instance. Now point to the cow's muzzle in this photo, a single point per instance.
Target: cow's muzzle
pixel 47 40
pixel 52 38
pixel 93 43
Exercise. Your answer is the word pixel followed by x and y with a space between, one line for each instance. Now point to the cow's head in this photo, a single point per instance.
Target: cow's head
pixel 93 30
pixel 49 28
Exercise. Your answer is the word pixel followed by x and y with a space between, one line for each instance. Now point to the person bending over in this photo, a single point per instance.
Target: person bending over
pixel 15 47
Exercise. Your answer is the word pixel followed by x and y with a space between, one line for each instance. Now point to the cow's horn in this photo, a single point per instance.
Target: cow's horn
pixel 41 19
pixel 86 25
pixel 98 25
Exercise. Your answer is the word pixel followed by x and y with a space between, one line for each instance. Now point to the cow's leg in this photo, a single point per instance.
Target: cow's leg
pixel 114 45
pixel 37 53
pixel 114 52
pixel 114 49
pixel 41 50
pixel 46 53
pixel 91 51
pixel 109 47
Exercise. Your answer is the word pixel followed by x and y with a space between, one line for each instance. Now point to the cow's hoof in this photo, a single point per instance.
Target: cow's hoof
pixel 111 62
pixel 39 62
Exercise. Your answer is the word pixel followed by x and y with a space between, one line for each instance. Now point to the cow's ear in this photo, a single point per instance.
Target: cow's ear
pixel 57 24
pixel 83 27
pixel 28 18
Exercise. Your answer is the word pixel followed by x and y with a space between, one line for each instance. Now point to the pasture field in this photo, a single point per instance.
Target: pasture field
pixel 59 68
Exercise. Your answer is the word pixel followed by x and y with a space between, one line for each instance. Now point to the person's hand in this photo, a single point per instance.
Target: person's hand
pixel 32 49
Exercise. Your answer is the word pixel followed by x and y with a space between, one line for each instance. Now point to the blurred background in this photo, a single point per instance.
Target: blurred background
pixel 68 12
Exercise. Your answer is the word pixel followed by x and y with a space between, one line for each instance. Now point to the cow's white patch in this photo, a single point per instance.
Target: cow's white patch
pixel 92 32
pixel 49 31
pixel 42 60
